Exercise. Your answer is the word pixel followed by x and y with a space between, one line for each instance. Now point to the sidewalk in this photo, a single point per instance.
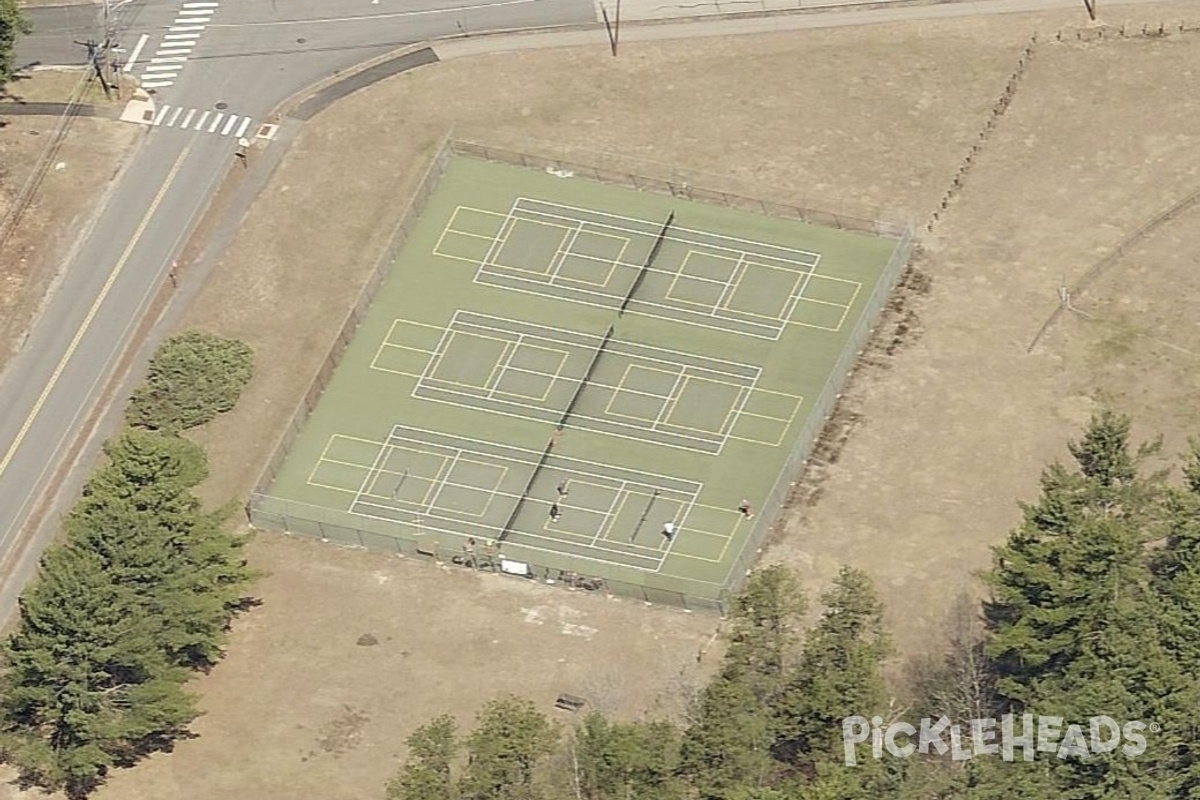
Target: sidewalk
pixel 645 20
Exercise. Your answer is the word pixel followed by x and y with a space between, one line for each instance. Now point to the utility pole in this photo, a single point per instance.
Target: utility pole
pixel 108 67
pixel 96 59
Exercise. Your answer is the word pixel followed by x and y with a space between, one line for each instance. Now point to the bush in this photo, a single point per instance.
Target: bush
pixel 193 377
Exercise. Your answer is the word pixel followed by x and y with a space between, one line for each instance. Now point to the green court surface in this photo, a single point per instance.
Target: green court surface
pixel 496 379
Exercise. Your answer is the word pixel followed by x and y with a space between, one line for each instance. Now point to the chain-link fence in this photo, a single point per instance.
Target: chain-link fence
pixel 339 526
pixel 650 176
pixel 408 219
pixel 821 411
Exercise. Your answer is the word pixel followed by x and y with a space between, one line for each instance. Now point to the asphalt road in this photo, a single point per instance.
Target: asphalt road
pixel 251 57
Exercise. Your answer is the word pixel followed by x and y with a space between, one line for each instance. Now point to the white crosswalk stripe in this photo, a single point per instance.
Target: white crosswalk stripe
pixel 191 19
pixel 193 119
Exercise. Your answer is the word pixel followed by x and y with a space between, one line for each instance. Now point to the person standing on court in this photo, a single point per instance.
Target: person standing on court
pixel 745 510
pixel 668 531
pixel 555 512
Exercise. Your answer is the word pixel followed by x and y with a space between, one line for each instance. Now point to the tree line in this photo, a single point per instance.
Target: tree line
pixel 136 594
pixel 1091 612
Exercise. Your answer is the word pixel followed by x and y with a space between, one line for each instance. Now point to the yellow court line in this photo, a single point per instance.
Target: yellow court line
pixel 87 321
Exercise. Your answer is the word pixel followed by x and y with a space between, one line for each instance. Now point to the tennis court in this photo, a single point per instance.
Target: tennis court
pixel 576 377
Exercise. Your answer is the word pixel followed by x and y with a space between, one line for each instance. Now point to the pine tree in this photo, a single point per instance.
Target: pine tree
pixel 12 24
pixel 726 749
pixel 510 741
pixel 86 686
pixel 1078 551
pixel 1103 452
pixel 431 752
pixel 627 761
pixel 838 675
pixel 764 621
pixel 1077 624
pixel 139 515
pixel 1191 467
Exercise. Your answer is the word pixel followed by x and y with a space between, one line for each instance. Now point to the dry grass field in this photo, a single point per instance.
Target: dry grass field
pixel 938 440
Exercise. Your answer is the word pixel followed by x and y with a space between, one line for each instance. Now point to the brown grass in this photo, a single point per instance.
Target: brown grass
pixel 944 435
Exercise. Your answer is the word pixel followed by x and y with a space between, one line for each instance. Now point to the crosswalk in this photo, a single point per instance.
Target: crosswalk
pixel 194 119
pixel 163 67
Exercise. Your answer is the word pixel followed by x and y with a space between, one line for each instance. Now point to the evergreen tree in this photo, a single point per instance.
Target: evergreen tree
pixel 1077 628
pixel 627 761
pixel 139 515
pixel 431 752
pixel 12 24
pixel 726 749
pixel 86 685
pixel 193 377
pixel 1191 467
pixel 764 623
pixel 838 676
pixel 1103 452
pixel 511 739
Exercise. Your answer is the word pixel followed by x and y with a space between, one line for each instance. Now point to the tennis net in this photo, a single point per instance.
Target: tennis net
pixel 524 495
pixel 641 276
pixel 587 377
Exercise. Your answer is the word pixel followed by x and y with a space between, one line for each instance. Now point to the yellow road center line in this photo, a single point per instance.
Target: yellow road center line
pixel 87 321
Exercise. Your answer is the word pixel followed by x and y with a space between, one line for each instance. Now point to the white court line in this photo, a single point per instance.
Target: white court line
pixel 596 339
pixel 137 51
pixel 186 120
pixel 534 456
pixel 321 458
pixel 499 241
pixel 717 442
pixel 242 128
pixel 444 476
pixel 175 116
pixel 454 528
pixel 229 125
pixel 640 360
pixel 384 450
pixel 679 378
pixel 162 112
pixel 774 331
pixel 621 495
pixel 216 121
pixel 200 122
pixel 510 349
pixel 560 253
pixel 734 277
pixel 655 225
